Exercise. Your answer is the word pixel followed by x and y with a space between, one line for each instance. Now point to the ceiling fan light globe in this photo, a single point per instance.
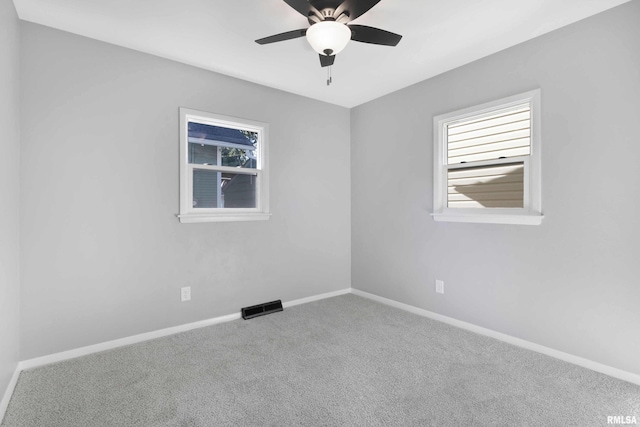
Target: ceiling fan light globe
pixel 328 35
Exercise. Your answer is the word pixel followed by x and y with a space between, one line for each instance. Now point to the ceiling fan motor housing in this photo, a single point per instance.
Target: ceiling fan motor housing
pixel 329 33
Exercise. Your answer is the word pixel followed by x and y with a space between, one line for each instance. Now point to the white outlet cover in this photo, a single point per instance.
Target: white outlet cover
pixel 185 294
pixel 440 286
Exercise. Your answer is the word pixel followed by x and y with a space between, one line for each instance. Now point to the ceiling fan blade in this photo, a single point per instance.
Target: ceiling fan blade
pixel 283 36
pixel 355 8
pixel 326 61
pixel 364 34
pixel 303 7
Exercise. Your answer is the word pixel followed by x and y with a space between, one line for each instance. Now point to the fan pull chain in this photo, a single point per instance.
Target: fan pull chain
pixel 329 78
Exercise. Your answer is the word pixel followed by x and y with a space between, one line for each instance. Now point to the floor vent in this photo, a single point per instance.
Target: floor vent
pixel 261 309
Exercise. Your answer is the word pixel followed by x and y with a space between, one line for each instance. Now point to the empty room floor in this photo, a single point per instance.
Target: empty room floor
pixel 337 362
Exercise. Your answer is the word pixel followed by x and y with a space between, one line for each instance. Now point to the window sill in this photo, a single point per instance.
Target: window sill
pixel 490 219
pixel 232 217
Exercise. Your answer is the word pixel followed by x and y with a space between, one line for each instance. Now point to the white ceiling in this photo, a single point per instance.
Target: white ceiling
pixel 438 35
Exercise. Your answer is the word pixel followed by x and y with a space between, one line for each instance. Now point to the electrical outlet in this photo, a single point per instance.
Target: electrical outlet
pixel 185 294
pixel 439 287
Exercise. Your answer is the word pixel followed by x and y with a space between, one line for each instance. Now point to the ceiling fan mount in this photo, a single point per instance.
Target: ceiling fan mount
pixel 329 31
pixel 328 13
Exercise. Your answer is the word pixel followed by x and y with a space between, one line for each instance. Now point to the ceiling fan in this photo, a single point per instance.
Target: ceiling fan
pixel 329 32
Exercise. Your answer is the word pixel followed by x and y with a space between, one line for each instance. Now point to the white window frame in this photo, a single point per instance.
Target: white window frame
pixel 531 212
pixel 189 214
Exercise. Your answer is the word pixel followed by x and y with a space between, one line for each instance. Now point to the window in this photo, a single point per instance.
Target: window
pixel 223 168
pixel 487 162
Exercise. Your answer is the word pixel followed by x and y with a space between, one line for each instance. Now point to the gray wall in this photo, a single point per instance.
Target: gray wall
pixel 103 254
pixel 9 193
pixel 572 283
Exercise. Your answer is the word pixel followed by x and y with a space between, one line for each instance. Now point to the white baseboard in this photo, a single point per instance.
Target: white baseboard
pixel 83 351
pixel 4 403
pixel 576 360
pixel 316 298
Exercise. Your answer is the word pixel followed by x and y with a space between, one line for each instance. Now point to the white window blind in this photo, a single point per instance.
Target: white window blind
pixel 501 134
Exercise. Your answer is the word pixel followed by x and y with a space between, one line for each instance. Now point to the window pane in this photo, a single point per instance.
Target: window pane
pixel 235 157
pixel 201 154
pixel 215 145
pixel 212 189
pixel 239 190
pixel 206 189
pixel 499 186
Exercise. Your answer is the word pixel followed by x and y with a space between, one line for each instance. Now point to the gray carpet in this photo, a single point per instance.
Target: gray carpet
pixel 344 361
